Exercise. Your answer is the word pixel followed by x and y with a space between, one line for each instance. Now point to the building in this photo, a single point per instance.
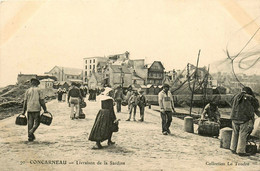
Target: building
pixel 46 83
pixel 66 74
pixel 91 65
pixel 138 70
pixel 22 78
pixel 155 73
pixel 118 75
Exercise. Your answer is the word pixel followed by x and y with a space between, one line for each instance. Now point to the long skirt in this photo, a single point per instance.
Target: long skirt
pixel 101 129
pixel 59 96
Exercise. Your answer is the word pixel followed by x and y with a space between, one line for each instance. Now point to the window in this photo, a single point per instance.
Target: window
pixel 86 67
pixel 86 73
pixel 93 66
pixel 86 61
pixel 89 66
pixel 93 60
pixel 89 61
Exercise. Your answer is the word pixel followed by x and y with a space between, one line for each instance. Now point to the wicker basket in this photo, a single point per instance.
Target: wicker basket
pixel 83 104
pixel 82 116
pixel 208 128
pixel 46 118
pixel 21 120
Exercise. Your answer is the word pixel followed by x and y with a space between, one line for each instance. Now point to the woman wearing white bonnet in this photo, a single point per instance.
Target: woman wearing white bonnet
pixel 102 128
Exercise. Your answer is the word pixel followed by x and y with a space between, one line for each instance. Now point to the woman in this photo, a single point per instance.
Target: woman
pixel 102 128
pixel 64 94
pixel 59 92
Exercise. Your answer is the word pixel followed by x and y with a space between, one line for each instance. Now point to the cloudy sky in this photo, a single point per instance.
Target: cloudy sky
pixel 37 35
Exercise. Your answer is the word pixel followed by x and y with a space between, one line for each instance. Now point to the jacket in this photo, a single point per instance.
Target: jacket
pixel 243 107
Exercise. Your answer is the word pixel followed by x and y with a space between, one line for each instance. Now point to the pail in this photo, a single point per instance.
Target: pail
pixel 225 137
pixel 46 118
pixel 21 120
pixel 188 124
pixel 208 128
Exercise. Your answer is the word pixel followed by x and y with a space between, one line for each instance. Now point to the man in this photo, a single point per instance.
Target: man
pixel 141 103
pixel 118 98
pixel 128 95
pixel 132 104
pixel 33 101
pixel 74 98
pixel 166 108
pixel 244 105
pixel 211 113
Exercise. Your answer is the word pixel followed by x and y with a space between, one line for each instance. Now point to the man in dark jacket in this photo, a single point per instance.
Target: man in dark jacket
pixel 141 103
pixel 244 105
pixel 118 98
pixel 74 98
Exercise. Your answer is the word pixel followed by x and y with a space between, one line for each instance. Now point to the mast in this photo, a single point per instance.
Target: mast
pixel 195 77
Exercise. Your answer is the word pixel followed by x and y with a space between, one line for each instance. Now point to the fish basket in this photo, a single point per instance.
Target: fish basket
pixel 46 118
pixel 21 120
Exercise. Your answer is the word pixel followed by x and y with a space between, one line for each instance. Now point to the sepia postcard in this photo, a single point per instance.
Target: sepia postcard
pixel 76 51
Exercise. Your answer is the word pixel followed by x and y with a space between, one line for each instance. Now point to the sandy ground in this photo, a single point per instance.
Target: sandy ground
pixel 139 146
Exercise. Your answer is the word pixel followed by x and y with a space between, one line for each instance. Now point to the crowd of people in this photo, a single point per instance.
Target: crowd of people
pixel 244 107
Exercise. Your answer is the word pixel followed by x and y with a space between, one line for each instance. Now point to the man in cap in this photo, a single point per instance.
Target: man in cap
pixel 166 108
pixel 141 103
pixel 244 106
pixel 33 101
pixel 74 98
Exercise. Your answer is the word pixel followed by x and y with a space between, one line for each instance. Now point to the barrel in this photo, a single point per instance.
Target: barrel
pixel 188 124
pixel 225 137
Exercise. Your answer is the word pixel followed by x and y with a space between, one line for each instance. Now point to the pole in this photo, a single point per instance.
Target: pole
pixel 195 77
pixel 205 87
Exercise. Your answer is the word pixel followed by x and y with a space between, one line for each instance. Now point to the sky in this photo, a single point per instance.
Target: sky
pixel 37 35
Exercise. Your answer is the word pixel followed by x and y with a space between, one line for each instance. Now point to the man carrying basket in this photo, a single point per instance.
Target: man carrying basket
pixel 33 101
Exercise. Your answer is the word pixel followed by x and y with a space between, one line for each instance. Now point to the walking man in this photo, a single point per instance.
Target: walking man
pixel 141 103
pixel 74 98
pixel 244 105
pixel 118 98
pixel 166 108
pixel 33 101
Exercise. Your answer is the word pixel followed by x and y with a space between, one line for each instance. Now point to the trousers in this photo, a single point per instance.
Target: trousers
pixel 239 136
pixel 33 121
pixel 166 121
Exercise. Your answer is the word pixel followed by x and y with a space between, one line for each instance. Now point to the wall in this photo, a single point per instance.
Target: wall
pixel 22 78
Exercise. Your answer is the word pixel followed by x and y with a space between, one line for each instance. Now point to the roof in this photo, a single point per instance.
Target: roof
pixel 116 68
pixel 48 79
pixel 95 57
pixel 135 76
pixel 71 71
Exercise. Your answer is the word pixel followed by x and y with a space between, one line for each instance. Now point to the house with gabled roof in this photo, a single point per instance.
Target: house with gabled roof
pixel 66 74
pixel 155 73
pixel 118 75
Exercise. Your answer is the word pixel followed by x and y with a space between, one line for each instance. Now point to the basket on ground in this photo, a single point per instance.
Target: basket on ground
pixel 208 128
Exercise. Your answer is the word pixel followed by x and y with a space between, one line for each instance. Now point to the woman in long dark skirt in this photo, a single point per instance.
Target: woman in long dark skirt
pixel 59 92
pixel 102 128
